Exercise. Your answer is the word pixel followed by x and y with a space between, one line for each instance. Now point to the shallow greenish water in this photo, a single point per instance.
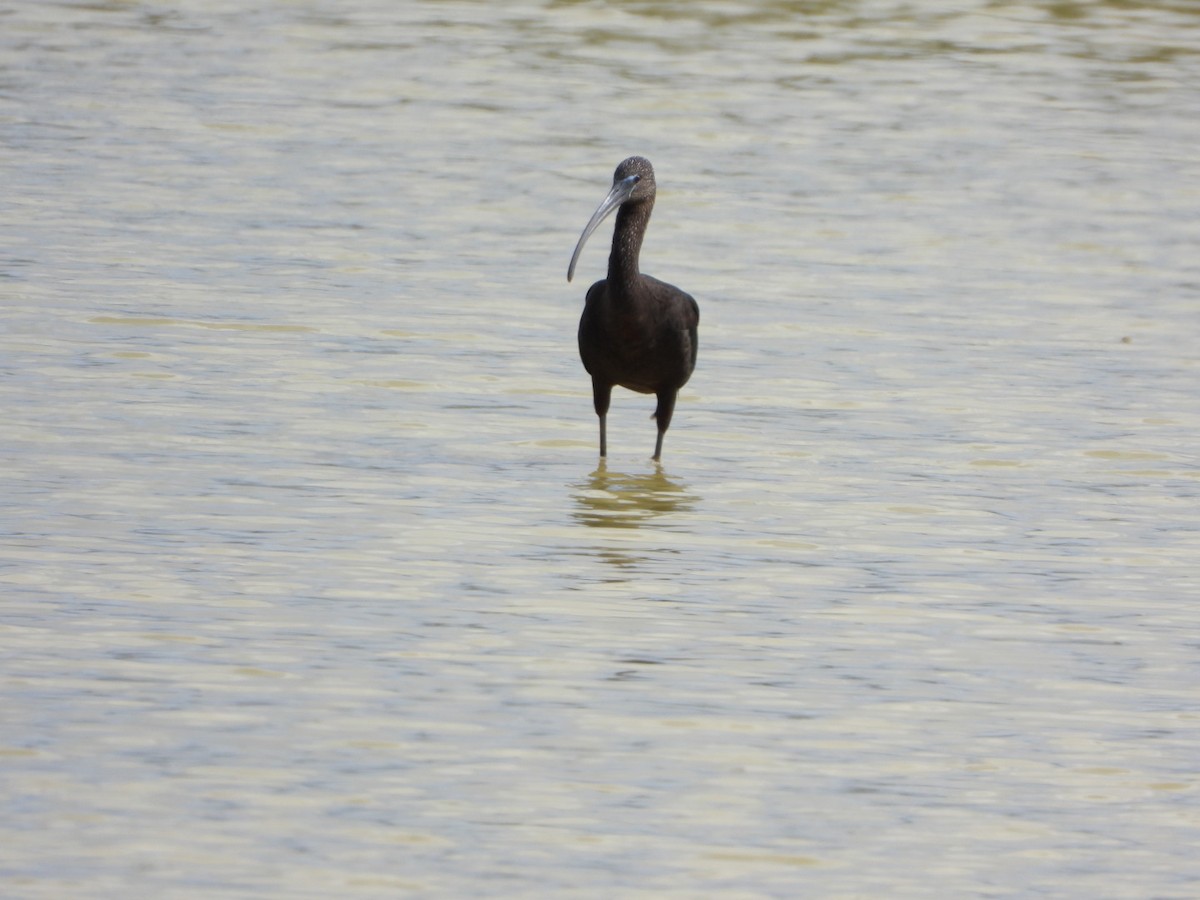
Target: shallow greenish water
pixel 312 585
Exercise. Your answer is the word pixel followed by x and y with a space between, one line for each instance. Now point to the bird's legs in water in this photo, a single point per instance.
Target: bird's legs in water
pixel 662 415
pixel 601 394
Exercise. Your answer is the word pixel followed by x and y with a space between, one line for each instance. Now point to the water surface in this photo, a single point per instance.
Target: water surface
pixel 312 583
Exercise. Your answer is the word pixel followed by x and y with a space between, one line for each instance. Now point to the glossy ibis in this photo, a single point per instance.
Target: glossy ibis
pixel 636 331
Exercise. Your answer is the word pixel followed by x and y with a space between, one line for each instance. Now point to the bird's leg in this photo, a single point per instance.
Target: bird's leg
pixel 662 415
pixel 601 395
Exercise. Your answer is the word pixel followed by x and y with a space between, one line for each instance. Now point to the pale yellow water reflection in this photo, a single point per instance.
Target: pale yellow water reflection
pixel 612 499
pixel 311 584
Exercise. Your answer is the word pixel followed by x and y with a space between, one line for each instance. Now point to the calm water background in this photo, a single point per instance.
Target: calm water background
pixel 312 586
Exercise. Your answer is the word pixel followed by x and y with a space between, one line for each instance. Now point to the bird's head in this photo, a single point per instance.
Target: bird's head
pixel 633 182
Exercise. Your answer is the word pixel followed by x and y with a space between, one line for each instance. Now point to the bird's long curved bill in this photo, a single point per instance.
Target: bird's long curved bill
pixel 619 194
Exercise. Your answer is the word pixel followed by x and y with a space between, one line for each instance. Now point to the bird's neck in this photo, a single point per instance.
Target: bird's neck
pixel 632 219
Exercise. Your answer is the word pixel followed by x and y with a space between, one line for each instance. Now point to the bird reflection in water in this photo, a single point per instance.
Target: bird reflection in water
pixel 623 500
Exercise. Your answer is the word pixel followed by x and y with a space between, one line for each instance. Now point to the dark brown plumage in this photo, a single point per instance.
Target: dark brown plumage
pixel 636 331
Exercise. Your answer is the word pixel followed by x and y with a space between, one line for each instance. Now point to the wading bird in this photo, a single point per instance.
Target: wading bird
pixel 636 331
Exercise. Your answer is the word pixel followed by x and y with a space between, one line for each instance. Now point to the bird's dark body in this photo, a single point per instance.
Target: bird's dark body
pixel 636 332
pixel 646 347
